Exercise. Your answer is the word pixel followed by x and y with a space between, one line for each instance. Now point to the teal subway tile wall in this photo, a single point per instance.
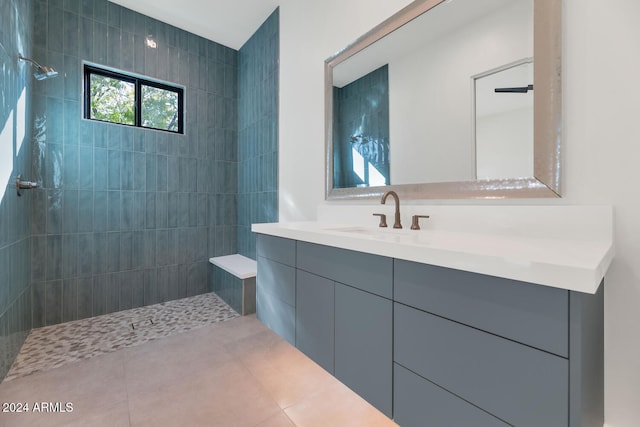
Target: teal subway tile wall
pixel 125 217
pixel 361 115
pixel 15 158
pixel 258 73
pixel 128 217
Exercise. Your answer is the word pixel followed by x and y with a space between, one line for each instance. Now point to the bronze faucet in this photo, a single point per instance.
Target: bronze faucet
pixel 393 194
pixel 414 221
pixel 383 220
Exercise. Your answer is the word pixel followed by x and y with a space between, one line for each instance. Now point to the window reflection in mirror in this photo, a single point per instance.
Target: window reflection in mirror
pixel 361 131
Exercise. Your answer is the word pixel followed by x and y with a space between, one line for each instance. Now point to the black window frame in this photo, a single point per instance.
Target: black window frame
pixel 138 83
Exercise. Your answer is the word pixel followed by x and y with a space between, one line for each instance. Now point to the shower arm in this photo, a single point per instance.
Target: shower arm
pixel 24 58
pixel 41 72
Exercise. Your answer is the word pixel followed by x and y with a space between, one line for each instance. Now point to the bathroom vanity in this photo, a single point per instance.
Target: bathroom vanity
pixel 429 344
pixel 493 315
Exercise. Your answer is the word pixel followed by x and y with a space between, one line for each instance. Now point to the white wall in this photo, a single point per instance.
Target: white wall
pixel 601 143
pixel 602 150
pixel 310 32
pixel 504 144
pixel 431 95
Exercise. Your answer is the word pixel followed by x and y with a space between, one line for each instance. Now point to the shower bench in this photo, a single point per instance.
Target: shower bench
pixel 234 280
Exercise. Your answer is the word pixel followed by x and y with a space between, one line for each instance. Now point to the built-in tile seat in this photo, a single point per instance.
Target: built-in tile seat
pixel 234 280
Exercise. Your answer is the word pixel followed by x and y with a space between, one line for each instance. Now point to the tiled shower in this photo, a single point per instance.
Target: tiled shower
pixel 362 129
pixel 15 157
pixel 127 217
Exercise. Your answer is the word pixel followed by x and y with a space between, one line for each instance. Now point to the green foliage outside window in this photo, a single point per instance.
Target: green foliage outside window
pixel 113 100
pixel 159 108
pixel 113 97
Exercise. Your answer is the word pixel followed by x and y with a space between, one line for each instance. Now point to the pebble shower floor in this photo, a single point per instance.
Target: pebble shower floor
pixel 53 346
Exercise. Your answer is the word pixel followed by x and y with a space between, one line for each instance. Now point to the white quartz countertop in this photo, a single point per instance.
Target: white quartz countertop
pixel 566 262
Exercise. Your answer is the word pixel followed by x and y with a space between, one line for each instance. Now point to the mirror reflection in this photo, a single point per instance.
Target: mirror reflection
pixel 416 106
pixel 504 122
pixel 361 131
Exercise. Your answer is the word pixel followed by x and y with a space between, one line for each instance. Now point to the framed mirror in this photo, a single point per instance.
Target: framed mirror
pixel 448 99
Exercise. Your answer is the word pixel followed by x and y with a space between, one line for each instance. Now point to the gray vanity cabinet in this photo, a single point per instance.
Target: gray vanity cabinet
pixel 530 314
pixel 276 294
pixel 344 310
pixel 516 383
pixel 349 333
pixel 315 318
pixel 435 346
pixel 525 354
pixel 370 273
pixel 363 345
pixel 418 402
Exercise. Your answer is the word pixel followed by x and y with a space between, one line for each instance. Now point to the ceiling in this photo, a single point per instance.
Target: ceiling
pixel 228 22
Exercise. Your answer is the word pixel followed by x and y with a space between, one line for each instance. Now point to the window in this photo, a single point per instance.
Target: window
pixel 115 97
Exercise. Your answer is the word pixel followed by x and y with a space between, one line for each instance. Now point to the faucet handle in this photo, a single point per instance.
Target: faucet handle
pixel 414 221
pixel 383 219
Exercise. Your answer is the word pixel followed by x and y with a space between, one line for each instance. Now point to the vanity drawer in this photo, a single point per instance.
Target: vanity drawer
pixel 418 403
pixel 277 249
pixel 277 280
pixel 516 383
pixel 371 273
pixel 531 314
pixel 276 297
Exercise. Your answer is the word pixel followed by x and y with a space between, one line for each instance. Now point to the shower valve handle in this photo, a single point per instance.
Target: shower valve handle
pixel 24 185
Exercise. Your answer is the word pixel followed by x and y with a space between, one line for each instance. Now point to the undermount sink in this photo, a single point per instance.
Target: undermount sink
pixel 365 230
pixel 381 233
pixel 354 229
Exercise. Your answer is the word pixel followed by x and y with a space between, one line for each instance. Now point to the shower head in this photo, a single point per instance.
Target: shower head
pixel 41 72
pixel 45 73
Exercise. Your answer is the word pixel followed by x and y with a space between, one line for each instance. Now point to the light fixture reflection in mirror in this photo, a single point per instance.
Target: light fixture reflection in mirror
pixel 540 178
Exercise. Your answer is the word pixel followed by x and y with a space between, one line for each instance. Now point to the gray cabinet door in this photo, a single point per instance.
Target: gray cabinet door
pixel 419 403
pixel 275 297
pixel 363 345
pixel 278 280
pixel 531 314
pixel 276 315
pixel 314 318
pixel 519 384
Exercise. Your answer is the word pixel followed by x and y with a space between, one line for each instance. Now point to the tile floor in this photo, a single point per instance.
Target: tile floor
pixel 56 345
pixel 231 373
